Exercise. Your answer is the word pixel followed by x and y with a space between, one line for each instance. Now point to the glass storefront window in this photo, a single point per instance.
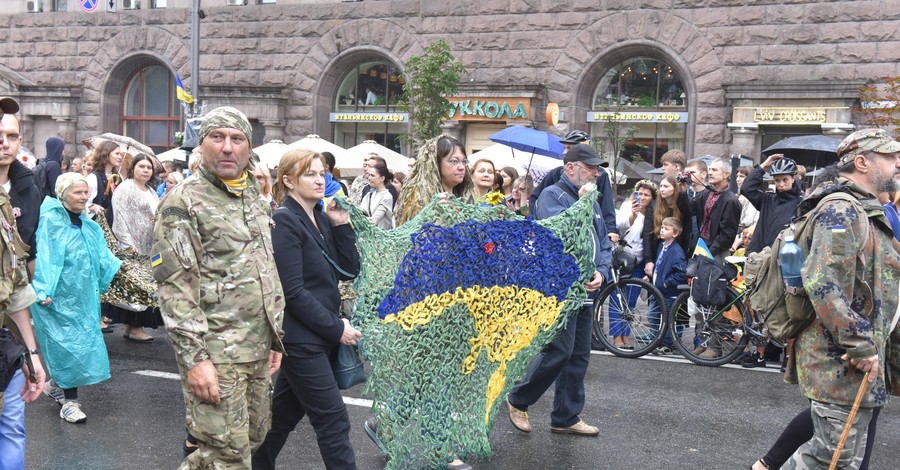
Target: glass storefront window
pixel 641 85
pixel 151 113
pixel 370 87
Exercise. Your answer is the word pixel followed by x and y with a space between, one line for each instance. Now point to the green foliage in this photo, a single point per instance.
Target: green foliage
pixel 431 77
pixel 614 135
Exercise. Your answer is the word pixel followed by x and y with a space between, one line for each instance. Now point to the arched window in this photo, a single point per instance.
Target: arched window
pixel 642 102
pixel 373 86
pixel 151 114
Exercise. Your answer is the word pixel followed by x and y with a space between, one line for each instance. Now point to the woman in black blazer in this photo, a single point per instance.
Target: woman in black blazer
pixel 312 251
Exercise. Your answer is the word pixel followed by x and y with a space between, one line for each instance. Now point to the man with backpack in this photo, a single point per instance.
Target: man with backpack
pixel 775 213
pixel 850 274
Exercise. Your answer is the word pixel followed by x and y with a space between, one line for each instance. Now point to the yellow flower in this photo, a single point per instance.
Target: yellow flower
pixel 493 198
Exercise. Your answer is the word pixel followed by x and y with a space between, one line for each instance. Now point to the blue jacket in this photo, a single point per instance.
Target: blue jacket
pixel 562 195
pixel 670 270
pixel 606 198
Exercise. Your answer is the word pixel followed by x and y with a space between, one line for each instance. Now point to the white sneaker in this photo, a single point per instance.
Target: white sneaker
pixel 54 392
pixel 71 412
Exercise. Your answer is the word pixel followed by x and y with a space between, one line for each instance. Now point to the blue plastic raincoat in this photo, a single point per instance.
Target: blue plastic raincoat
pixel 73 266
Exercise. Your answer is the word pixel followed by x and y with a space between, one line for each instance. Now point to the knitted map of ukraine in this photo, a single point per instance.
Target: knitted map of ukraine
pixel 453 306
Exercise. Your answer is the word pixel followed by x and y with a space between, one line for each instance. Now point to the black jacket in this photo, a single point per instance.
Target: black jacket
pixel 725 218
pixel 650 240
pixel 775 209
pixel 604 187
pixel 310 283
pixel 25 196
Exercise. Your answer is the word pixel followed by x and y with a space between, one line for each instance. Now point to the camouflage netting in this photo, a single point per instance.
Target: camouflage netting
pixel 453 306
pixel 134 283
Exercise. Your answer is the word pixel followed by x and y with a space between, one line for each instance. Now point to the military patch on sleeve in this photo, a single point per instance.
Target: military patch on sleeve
pixel 178 212
pixel 838 228
pixel 156 260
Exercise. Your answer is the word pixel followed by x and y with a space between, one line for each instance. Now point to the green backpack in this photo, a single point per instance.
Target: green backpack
pixel 787 313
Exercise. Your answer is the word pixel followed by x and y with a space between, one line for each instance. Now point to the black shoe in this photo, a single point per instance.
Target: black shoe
pixel 371 427
pixel 755 360
pixel 742 357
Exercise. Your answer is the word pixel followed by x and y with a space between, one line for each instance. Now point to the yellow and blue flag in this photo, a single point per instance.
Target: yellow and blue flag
pixel 180 93
pixel 701 249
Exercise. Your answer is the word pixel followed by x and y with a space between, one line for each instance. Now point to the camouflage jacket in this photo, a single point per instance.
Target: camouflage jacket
pixel 854 300
pixel 13 254
pixel 219 291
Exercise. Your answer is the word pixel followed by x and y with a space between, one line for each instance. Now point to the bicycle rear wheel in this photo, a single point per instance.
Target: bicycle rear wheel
pixel 696 329
pixel 634 309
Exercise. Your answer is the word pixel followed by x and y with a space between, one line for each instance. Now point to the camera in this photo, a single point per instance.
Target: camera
pixel 686 176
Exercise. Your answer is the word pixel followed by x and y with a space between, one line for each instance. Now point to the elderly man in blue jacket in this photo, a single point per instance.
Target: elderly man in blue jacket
pixel 565 360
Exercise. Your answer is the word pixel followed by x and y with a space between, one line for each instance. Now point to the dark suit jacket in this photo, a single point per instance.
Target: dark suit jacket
pixel 725 217
pixel 309 281
pixel 671 270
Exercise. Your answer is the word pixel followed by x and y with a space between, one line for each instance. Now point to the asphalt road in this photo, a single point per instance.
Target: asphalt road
pixel 654 413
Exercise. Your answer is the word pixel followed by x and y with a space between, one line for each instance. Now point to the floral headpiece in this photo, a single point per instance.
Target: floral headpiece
pixel 653 187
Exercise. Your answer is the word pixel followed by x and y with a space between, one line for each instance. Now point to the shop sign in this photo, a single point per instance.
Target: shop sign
pixel 637 116
pixel 789 115
pixel 489 108
pixel 369 117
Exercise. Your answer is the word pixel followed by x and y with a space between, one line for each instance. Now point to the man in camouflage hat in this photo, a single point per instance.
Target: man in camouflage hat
pixel 220 295
pixel 850 274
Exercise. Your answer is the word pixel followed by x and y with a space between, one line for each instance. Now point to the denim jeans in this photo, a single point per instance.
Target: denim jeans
pixel 12 426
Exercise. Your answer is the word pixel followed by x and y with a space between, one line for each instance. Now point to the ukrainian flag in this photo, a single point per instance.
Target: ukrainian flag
pixel 180 93
pixel 701 249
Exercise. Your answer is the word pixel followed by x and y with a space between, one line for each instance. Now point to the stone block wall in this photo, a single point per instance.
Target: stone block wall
pixel 556 44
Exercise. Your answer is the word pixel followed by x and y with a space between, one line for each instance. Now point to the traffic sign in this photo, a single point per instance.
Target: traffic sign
pixel 110 5
pixel 89 5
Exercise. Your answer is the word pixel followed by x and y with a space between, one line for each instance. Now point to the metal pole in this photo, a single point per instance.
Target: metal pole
pixel 195 49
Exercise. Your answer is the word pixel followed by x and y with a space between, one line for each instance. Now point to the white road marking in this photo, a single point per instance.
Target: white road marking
pixel 681 360
pixel 168 375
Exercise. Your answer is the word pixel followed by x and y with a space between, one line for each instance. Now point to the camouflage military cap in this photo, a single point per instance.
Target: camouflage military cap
pixel 225 117
pixel 865 141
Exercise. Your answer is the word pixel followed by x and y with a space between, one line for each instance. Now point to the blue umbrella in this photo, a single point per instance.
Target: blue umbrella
pixel 531 140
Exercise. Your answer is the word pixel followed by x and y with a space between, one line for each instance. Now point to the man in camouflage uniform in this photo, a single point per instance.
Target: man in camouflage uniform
pixel 16 295
pixel 220 295
pixel 854 300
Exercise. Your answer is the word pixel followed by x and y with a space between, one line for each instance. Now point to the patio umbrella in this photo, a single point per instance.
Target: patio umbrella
pixel 810 150
pixel 133 147
pixel 530 140
pixel 501 156
pixel 176 154
pixel 270 153
pixel 350 162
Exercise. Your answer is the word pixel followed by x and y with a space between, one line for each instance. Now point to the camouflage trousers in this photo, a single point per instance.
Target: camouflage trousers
pixel 828 425
pixel 229 432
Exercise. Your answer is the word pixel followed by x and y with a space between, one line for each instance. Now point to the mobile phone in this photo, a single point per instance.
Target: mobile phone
pixel 637 197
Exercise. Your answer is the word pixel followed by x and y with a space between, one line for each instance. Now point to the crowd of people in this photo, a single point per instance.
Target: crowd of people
pixel 270 291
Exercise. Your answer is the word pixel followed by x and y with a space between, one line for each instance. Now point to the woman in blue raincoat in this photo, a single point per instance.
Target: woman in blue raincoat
pixel 73 266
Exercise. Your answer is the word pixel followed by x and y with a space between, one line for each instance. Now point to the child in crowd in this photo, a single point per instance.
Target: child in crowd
pixel 668 272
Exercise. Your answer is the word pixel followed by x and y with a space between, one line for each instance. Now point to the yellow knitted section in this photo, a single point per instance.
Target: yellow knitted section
pixel 502 329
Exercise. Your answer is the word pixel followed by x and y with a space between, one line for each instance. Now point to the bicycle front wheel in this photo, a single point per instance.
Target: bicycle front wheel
pixel 632 313
pixel 708 336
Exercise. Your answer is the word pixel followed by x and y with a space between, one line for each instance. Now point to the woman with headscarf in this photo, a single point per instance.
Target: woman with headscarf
pixel 135 203
pixel 72 268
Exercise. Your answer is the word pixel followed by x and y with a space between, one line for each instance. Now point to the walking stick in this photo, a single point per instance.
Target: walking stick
pixel 863 387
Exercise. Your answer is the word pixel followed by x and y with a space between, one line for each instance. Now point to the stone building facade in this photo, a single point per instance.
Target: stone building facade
pixel 731 76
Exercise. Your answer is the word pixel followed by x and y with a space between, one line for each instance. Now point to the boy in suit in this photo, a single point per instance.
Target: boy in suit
pixel 669 271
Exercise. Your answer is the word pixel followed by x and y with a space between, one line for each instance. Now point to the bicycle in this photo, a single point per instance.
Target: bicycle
pixel 630 307
pixel 726 329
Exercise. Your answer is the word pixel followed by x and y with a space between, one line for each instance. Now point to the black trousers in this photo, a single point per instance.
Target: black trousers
pixel 306 386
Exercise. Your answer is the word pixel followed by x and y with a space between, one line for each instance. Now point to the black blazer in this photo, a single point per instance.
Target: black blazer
pixel 309 281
